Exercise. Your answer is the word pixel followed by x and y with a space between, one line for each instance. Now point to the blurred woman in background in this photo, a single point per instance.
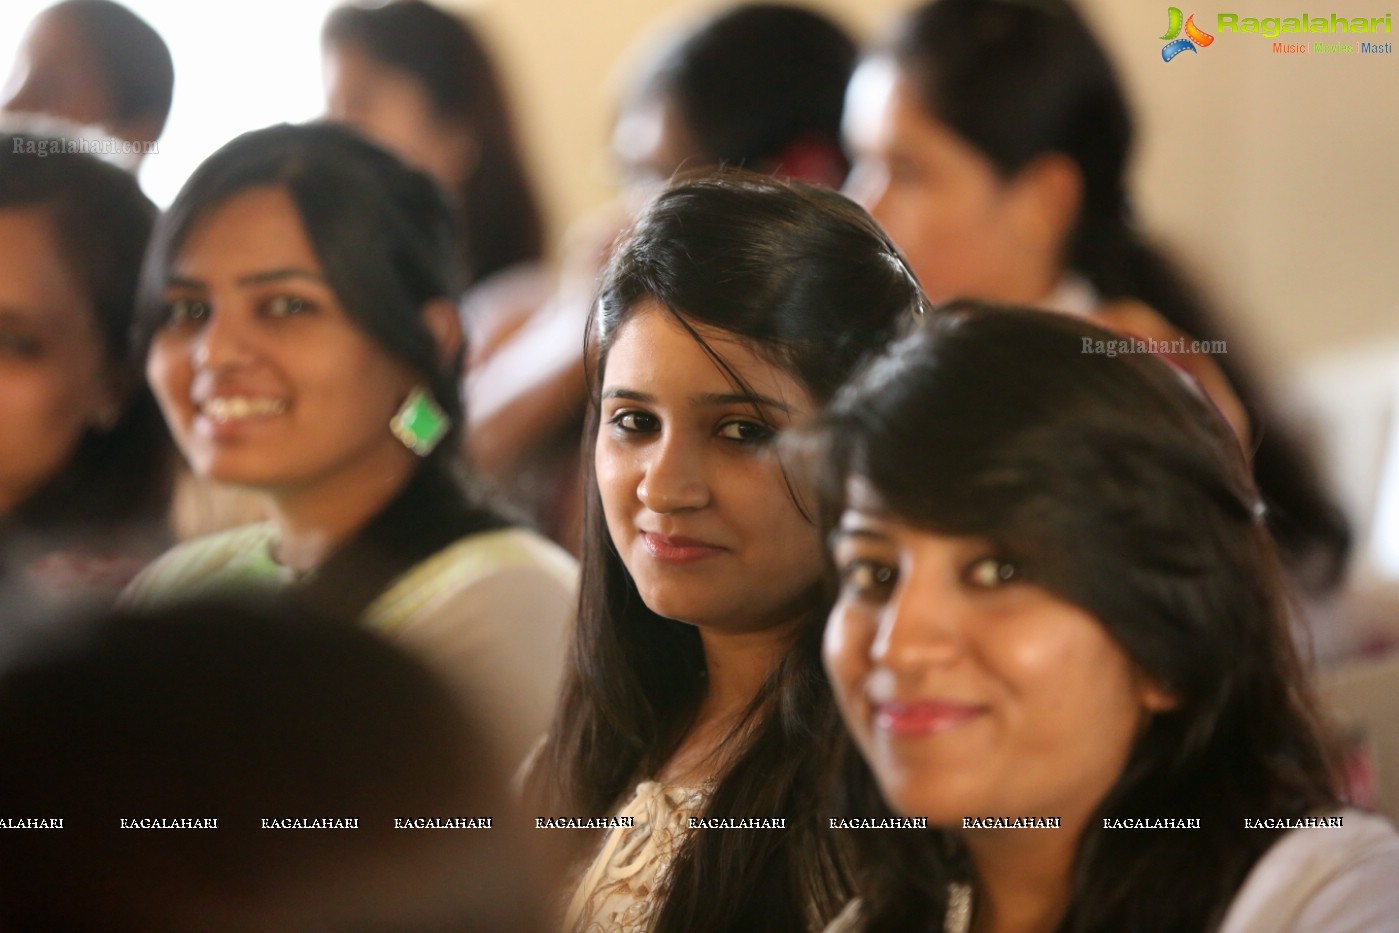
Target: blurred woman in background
pixel 299 323
pixel 755 85
pixel 734 308
pixel 991 139
pixel 85 469
pixel 1060 605
pixel 419 81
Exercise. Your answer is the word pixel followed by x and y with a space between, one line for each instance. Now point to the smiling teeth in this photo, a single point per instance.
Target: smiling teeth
pixel 235 407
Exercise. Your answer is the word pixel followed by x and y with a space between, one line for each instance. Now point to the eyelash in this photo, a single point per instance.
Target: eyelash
pixel 868 580
pixel 757 432
pixel 874 581
pixel 185 311
pixel 298 305
pixel 179 313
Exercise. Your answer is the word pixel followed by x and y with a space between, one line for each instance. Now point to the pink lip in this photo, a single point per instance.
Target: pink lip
pixel 679 550
pixel 923 718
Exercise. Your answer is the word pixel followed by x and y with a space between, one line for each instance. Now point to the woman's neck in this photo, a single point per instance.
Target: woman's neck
pixel 736 664
pixel 315 519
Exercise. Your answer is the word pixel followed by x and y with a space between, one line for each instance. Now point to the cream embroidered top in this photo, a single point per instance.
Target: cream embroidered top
pixel 619 893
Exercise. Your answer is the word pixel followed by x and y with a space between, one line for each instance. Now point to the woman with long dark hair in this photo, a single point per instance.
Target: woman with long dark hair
pixel 734 307
pixel 86 463
pixel 992 140
pixel 1061 639
pixel 299 324
pixel 420 82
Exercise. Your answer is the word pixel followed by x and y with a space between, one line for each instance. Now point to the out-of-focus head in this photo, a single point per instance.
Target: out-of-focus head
pixel 990 138
pixel 301 284
pixel 734 307
pixel 76 426
pixel 1057 585
pixel 420 82
pixel 758 86
pixel 94 62
pixel 240 714
pixel 414 79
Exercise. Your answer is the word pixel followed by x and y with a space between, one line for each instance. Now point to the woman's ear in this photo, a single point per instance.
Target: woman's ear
pixel 444 323
pixel 1153 697
pixel 1049 199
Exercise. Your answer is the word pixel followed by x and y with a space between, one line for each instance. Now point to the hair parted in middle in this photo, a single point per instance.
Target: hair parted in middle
pixel 803 277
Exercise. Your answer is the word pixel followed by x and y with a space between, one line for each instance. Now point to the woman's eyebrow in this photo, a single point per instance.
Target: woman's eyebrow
pixel 252 278
pixel 709 399
pixel 630 395
pixel 278 275
pixel 856 531
pixel 740 398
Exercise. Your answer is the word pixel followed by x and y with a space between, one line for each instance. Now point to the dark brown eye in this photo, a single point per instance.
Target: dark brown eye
pixel 181 311
pixel 990 572
pixel 867 579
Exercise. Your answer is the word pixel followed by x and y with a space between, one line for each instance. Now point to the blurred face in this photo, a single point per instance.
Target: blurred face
pixel 960 223
pixel 970 691
pixel 261 374
pixel 57 75
pixel 695 499
pixel 54 377
pixel 651 143
pixel 391 108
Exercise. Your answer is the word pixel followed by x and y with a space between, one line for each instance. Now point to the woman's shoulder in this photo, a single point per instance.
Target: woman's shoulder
pixel 236 557
pixel 1336 873
pixel 531 566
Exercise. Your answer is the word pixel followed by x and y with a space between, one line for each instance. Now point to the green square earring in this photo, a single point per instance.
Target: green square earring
pixel 420 422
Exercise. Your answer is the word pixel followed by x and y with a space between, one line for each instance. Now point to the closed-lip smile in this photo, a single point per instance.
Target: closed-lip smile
pixel 678 548
pixel 921 718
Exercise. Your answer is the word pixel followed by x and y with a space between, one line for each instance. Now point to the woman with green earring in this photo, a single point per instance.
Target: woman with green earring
pixel 298 321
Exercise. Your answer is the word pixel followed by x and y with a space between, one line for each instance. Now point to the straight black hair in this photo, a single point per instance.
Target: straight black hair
pixel 241 712
pixel 501 221
pixel 1021 78
pixel 755 79
pixel 805 278
pixel 119 476
pixel 1116 486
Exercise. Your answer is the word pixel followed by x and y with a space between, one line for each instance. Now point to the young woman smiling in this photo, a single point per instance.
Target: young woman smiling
pixel 733 309
pixel 1060 601
pixel 301 335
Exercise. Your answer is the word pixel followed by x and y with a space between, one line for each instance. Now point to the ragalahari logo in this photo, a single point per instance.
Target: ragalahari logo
pixel 1193 36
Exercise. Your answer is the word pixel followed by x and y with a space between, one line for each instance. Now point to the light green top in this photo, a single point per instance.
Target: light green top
pixel 491 612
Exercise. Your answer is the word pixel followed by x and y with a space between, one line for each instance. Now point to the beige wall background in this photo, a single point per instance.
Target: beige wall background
pixel 1271 176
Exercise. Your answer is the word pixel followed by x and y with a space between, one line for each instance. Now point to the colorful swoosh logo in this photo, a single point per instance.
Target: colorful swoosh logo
pixel 1194 35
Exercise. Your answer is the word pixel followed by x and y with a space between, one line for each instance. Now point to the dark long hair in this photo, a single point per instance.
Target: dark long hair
pixel 1021 78
pixel 755 79
pixel 102 221
pixel 238 713
pixel 387 245
pixel 497 209
pixel 806 278
pixel 1119 489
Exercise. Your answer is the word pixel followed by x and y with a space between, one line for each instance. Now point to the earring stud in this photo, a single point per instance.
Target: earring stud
pixel 420 423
